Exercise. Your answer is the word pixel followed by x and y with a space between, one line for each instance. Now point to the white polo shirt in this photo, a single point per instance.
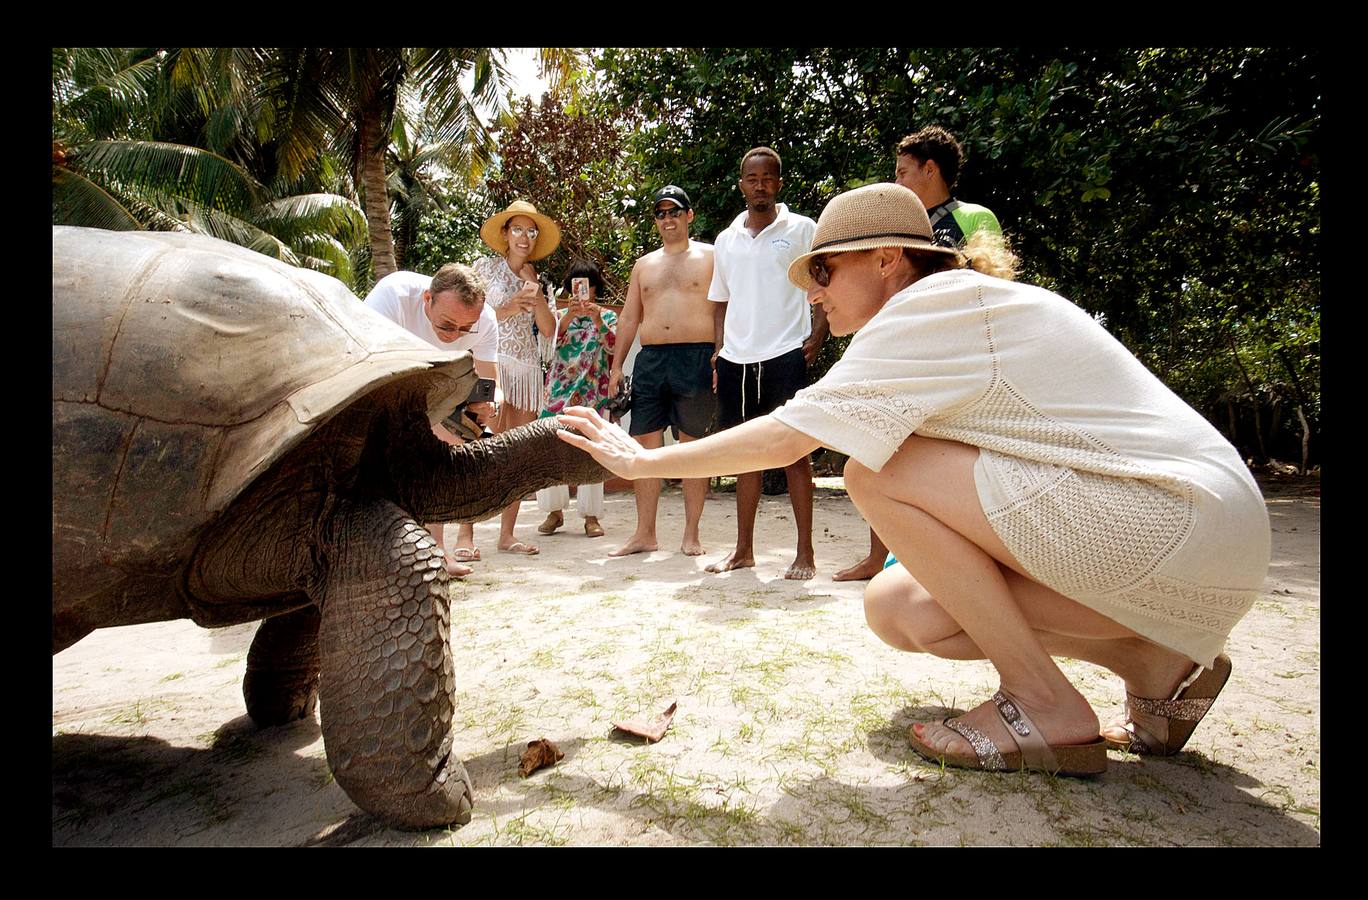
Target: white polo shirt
pixel 767 315
pixel 399 297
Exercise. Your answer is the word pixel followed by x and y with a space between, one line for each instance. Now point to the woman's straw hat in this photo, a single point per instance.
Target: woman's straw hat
pixel 876 215
pixel 548 232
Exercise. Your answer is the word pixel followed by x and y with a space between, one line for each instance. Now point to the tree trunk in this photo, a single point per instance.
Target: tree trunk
pixel 1254 401
pixel 375 195
pixel 1306 439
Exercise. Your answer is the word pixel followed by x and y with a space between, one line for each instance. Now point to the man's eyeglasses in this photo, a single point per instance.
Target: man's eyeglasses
pixel 817 268
pixel 472 328
pixel 673 212
pixel 519 231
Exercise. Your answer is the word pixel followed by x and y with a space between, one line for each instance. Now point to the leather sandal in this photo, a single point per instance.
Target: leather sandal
pixel 593 529
pixel 1032 753
pixel 1183 712
pixel 552 522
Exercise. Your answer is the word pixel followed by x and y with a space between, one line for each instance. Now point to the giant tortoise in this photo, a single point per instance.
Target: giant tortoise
pixel 235 439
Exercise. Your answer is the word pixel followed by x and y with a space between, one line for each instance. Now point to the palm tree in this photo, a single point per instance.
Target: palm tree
pixel 113 166
pixel 348 98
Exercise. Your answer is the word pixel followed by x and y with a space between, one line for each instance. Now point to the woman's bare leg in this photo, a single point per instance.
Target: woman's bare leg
pixel 925 502
pixel 904 615
pixel 927 489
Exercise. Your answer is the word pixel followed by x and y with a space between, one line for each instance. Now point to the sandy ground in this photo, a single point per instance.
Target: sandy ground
pixel 789 729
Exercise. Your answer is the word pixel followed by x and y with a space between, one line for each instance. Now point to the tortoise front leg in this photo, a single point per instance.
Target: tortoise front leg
pixel 387 682
pixel 281 684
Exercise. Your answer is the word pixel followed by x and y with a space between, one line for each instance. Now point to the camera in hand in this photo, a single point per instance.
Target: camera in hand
pixel 621 402
pixel 462 422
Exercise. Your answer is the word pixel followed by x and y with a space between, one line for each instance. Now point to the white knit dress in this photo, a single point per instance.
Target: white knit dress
pixel 520 371
pixel 1102 483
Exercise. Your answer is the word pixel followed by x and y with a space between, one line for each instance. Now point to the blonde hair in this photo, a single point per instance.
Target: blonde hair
pixel 985 251
pixel 465 281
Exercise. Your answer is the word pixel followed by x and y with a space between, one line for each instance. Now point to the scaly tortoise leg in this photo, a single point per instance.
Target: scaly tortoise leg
pixel 387 679
pixel 281 683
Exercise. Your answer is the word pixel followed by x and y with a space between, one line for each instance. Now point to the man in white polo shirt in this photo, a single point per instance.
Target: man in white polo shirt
pixel 768 338
pixel 448 311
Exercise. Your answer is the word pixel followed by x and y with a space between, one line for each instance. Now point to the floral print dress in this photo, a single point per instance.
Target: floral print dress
pixel 580 369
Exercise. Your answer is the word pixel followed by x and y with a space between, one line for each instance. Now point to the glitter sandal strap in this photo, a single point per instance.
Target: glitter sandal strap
pixel 990 759
pixel 1035 750
pixel 1188 710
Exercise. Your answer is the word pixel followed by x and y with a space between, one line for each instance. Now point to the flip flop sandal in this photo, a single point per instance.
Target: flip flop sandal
pixel 520 547
pixel 465 554
pixel 1188 707
pixel 1032 753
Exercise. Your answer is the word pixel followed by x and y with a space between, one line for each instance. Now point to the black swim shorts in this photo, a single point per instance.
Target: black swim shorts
pixel 748 391
pixel 672 385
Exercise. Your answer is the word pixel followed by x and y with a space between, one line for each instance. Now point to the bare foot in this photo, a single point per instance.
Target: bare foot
pixel 801 570
pixel 1075 725
pixel 733 560
pixel 691 547
pixel 863 570
pixel 635 544
pixel 457 570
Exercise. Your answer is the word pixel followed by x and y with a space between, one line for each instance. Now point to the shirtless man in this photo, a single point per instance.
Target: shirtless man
pixel 667 300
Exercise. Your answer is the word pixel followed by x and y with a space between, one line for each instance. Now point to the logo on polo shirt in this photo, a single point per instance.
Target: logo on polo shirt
pixel 781 244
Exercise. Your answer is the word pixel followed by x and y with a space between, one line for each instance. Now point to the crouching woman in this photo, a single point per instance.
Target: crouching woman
pixel 1044 493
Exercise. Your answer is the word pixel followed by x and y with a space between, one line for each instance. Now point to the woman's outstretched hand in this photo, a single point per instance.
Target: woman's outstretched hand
pixel 609 445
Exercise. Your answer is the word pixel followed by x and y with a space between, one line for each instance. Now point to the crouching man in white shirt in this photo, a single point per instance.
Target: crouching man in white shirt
pixel 448 311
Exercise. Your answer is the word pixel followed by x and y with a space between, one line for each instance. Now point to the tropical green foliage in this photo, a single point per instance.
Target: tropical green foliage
pixel 1172 193
pixel 574 167
pixel 172 140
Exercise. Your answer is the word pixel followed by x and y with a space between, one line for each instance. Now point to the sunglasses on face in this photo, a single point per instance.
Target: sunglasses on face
pixel 519 231
pixel 473 328
pixel 817 268
pixel 673 213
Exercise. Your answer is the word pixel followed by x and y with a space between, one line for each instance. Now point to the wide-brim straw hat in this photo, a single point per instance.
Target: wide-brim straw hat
pixel 869 217
pixel 548 232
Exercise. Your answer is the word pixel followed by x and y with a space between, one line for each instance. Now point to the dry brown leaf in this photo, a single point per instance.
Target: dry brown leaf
pixel 651 731
pixel 538 755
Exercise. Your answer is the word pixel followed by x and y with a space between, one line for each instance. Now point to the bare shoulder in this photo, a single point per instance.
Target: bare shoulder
pixel 647 260
pixel 700 250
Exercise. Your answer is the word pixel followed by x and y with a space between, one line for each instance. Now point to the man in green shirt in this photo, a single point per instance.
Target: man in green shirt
pixel 929 164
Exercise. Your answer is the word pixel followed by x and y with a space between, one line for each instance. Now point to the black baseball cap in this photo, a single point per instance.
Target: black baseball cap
pixel 674 193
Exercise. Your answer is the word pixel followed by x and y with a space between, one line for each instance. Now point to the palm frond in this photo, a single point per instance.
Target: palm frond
pixel 327 214
pixel 77 200
pixel 199 175
pixel 324 253
pixel 227 227
pixel 560 65
pixel 301 112
pixel 113 91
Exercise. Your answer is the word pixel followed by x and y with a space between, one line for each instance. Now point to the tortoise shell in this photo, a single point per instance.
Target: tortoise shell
pixel 182 368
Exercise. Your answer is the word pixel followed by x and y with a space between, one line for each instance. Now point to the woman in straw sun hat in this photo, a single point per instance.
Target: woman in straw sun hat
pixel 1044 493
pixel 520 235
